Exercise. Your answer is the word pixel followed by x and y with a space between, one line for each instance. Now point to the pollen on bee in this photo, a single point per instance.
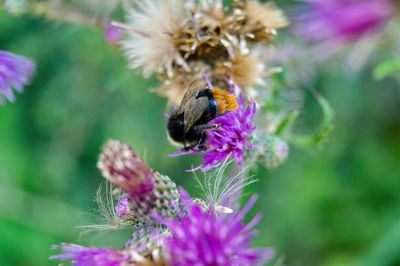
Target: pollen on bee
pixel 226 101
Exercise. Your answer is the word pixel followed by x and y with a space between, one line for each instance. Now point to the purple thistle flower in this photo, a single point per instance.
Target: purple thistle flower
pixel 230 139
pixel 209 238
pixel 15 73
pixel 342 21
pixel 84 256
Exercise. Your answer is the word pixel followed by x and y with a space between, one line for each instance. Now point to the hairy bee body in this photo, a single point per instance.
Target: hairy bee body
pixel 187 127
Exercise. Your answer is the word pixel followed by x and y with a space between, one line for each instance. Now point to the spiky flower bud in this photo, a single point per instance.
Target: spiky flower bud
pixel 274 151
pixel 149 193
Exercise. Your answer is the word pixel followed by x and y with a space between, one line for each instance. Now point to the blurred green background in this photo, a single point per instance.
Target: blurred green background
pixel 337 206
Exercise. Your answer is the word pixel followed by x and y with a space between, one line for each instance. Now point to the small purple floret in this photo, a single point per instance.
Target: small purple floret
pixel 282 150
pixel 208 238
pixel 15 73
pixel 122 207
pixel 112 34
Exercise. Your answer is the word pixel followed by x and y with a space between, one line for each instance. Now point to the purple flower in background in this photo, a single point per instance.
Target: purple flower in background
pixel 84 256
pixel 209 238
pixel 342 21
pixel 112 34
pixel 15 73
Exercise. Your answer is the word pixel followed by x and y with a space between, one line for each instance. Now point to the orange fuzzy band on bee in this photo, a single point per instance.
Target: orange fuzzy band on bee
pixel 226 101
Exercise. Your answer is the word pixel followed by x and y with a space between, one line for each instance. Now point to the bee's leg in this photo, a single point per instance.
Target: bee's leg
pixel 190 145
pixel 204 127
pixel 201 143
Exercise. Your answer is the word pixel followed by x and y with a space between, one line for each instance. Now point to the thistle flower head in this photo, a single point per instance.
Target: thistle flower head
pixel 342 21
pixel 149 193
pixel 121 166
pixel 15 73
pixel 85 256
pixel 231 139
pixel 204 237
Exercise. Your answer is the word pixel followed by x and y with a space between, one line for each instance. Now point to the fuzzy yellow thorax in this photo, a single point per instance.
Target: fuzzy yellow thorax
pixel 226 102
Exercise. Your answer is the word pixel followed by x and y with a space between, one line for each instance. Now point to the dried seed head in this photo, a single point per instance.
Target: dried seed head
pixel 174 88
pixel 179 42
pixel 243 70
pixel 267 16
pixel 150 44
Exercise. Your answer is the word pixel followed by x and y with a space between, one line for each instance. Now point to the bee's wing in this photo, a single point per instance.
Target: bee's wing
pixel 191 92
pixel 193 110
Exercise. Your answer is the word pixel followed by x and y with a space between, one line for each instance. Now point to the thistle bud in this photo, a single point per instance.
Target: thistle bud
pixel 274 151
pixel 148 192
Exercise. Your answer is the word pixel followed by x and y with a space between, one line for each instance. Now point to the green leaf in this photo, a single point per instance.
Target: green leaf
pixel 289 119
pixel 323 131
pixel 386 69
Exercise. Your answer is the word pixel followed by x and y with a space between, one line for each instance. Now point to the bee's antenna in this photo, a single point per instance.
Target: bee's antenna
pixel 208 81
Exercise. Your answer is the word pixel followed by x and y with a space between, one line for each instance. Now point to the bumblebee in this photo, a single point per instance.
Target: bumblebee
pixel 187 127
